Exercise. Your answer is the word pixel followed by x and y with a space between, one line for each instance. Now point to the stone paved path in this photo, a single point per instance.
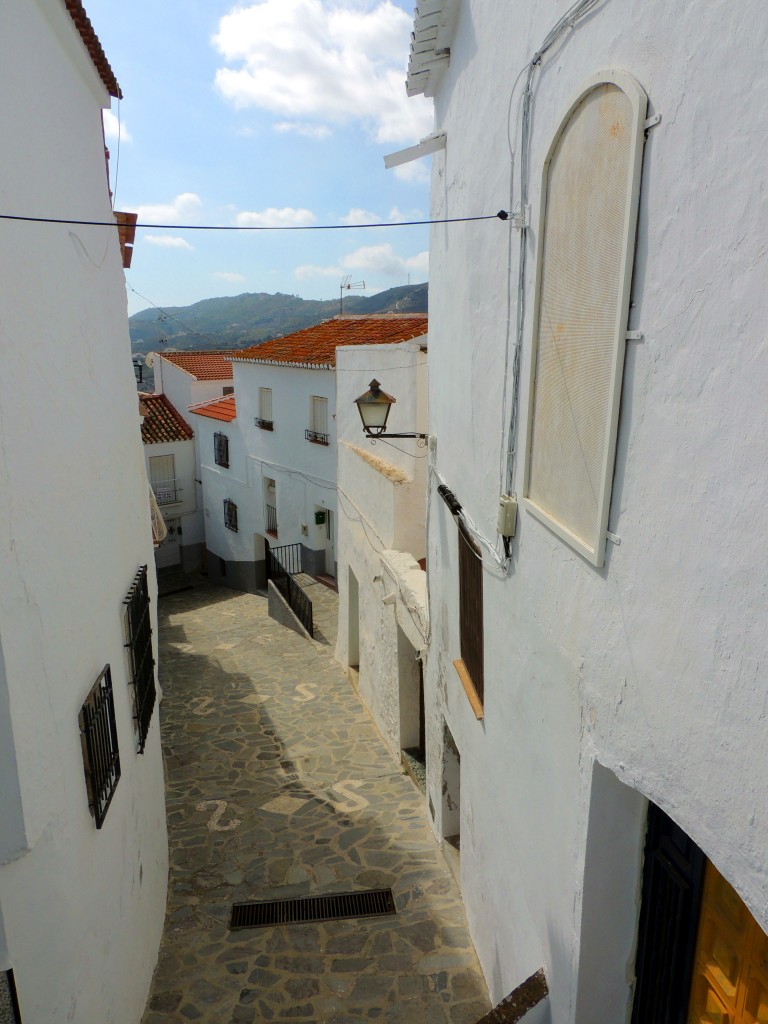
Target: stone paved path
pixel 279 785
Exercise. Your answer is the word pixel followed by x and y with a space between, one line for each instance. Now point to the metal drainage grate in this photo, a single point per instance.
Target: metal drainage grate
pixel 304 909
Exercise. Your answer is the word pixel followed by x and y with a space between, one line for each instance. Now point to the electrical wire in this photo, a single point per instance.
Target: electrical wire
pixel 170 316
pixel 501 215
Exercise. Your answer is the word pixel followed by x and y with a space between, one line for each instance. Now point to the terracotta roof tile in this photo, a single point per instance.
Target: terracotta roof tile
pixel 316 346
pixel 223 409
pixel 213 365
pixel 93 46
pixel 161 421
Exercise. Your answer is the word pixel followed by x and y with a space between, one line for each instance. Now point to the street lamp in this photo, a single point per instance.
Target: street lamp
pixel 374 407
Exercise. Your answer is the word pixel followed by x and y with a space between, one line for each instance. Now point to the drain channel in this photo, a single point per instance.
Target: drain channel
pixel 305 909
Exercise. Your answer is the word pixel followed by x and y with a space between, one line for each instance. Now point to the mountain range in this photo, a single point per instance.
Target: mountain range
pixel 238 321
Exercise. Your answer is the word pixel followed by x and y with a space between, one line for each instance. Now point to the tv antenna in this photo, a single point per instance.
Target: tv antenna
pixel 346 286
pixel 161 318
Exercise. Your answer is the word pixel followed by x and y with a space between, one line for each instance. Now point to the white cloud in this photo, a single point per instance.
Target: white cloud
pixel 183 206
pixel 312 270
pixel 168 241
pixel 372 261
pixel 415 173
pixel 113 127
pixel 312 131
pixel 288 216
pixel 324 63
pixel 359 216
pixel 227 275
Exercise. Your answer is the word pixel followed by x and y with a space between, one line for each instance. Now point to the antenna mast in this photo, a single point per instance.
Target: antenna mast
pixel 346 286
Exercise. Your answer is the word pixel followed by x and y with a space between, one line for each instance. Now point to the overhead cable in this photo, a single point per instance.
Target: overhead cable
pixel 501 215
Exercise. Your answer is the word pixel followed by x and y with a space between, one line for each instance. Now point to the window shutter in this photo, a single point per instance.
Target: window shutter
pixel 589 211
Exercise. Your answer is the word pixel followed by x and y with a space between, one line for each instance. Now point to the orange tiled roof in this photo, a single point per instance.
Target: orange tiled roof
pixel 223 409
pixel 213 365
pixel 93 46
pixel 315 347
pixel 161 421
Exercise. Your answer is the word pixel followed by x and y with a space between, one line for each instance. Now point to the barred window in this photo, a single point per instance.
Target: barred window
pixel 471 609
pixel 98 737
pixel 230 515
pixel 138 642
pixel 221 450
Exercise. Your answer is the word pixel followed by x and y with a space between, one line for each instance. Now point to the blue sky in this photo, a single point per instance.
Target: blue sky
pixel 265 112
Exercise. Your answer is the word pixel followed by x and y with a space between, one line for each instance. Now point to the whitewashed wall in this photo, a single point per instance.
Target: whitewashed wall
pixel 82 909
pixel 382 492
pixel 304 472
pixel 218 484
pixel 183 390
pixel 652 666
pixel 185 511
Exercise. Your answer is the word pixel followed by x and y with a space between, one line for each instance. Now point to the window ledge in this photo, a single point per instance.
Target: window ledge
pixel 469 688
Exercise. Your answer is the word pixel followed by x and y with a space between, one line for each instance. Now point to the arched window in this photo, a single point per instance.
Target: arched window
pixel 590 190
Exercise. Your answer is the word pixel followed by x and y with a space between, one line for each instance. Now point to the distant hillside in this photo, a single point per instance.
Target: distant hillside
pixel 241 320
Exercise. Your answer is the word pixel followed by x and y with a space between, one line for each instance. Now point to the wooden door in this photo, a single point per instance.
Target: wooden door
pixel 730 976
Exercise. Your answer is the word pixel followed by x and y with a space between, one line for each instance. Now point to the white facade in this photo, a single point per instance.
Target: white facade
pixel 286 471
pixel 382 487
pixel 170 469
pixel 183 389
pixel 230 552
pixel 81 908
pixel 642 679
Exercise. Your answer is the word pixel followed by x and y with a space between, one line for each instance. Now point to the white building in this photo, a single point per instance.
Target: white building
pixel 382 487
pixel 285 431
pixel 186 379
pixel 605 686
pixel 169 453
pixel 230 516
pixel 83 849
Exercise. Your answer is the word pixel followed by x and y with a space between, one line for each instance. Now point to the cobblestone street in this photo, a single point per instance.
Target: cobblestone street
pixel 278 785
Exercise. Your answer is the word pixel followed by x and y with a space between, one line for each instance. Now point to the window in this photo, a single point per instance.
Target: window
pixel 138 642
pixel 162 478
pixel 470 667
pixel 264 419
pixel 590 191
pixel 221 450
pixel 318 420
pixel 270 507
pixel 98 737
pixel 230 515
pixel 228 390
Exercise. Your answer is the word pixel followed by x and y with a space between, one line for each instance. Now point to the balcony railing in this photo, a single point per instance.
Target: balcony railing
pixel 264 424
pixel 316 437
pixel 167 492
pixel 271 519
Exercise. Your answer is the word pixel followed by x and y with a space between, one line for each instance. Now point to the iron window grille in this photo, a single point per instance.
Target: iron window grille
pixel 221 450
pixel 98 737
pixel 138 635
pixel 230 515
pixel 271 519
pixel 471 608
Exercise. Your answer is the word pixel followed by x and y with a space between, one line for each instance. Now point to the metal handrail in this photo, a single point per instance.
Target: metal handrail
pixel 295 597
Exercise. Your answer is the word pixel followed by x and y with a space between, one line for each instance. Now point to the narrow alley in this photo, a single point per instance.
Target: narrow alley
pixel 278 785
